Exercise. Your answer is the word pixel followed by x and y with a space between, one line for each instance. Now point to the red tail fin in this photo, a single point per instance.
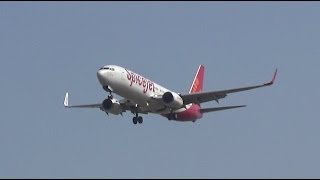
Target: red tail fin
pixel 197 83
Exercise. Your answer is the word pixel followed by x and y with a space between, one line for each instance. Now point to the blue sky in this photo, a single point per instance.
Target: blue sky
pixel 48 48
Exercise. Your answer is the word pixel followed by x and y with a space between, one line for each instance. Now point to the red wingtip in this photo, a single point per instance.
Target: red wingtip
pixel 273 78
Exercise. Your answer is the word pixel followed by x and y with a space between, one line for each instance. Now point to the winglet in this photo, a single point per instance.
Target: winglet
pixel 66 100
pixel 273 79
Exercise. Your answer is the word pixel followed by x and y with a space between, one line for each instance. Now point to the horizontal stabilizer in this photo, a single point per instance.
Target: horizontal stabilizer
pixel 205 110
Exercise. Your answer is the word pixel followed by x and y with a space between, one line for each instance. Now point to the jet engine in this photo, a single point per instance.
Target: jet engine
pixel 173 100
pixel 112 106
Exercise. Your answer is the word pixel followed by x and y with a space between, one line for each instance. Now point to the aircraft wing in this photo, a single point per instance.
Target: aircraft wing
pixel 201 97
pixel 126 105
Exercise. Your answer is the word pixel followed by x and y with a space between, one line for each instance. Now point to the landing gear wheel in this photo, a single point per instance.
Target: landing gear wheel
pixel 140 119
pixel 110 96
pixel 134 120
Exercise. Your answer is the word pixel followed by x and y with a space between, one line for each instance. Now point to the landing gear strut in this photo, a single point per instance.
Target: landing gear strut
pixel 172 116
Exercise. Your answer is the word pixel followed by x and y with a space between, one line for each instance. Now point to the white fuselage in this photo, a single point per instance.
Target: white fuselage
pixel 135 88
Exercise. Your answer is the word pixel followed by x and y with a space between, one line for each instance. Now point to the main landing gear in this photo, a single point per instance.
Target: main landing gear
pixel 137 119
pixel 172 116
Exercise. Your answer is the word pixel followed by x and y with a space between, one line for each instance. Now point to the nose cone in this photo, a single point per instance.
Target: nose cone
pixel 101 74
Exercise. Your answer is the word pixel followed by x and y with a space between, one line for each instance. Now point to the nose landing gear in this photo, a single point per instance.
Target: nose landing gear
pixel 110 96
pixel 109 90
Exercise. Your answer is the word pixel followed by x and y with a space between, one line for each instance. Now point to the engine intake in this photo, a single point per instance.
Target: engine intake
pixel 173 100
pixel 112 106
pixel 107 104
pixel 167 97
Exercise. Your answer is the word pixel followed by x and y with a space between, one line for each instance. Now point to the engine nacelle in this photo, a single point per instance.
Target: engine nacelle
pixel 112 106
pixel 172 100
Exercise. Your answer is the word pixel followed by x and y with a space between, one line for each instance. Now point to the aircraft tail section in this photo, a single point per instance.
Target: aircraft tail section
pixel 197 84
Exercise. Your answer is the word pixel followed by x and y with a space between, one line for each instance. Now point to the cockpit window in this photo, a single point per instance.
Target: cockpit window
pixel 108 68
pixel 105 68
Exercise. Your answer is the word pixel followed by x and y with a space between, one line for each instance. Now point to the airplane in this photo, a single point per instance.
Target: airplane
pixel 143 96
